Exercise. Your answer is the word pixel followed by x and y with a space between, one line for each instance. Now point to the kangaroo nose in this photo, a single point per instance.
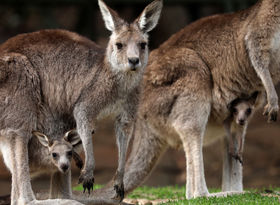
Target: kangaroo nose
pixel 133 61
pixel 64 167
pixel 241 122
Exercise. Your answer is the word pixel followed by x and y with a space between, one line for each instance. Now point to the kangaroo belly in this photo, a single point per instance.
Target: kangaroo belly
pixel 112 110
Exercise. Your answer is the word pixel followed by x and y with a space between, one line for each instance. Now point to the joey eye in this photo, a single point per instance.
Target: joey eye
pixel 143 45
pixel 234 110
pixel 119 46
pixel 69 154
pixel 54 155
pixel 248 111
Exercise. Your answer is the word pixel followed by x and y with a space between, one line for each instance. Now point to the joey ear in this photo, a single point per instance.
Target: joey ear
pixel 43 139
pixel 253 97
pixel 110 17
pixel 78 160
pixel 232 104
pixel 72 137
pixel 148 19
pixel 229 106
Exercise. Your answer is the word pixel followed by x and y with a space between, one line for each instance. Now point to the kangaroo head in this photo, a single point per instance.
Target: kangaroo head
pixel 60 150
pixel 241 112
pixel 242 108
pixel 127 50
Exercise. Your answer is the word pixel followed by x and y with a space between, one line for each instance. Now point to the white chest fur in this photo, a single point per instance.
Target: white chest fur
pixel 112 110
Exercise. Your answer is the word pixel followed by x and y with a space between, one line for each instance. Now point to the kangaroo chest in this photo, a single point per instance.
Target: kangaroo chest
pixel 111 110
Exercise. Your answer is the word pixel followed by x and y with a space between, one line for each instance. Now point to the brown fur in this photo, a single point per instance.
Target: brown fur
pixel 190 80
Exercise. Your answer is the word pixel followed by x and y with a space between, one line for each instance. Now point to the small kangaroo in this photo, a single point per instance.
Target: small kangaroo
pixel 188 83
pixel 66 76
pixel 241 111
pixel 50 155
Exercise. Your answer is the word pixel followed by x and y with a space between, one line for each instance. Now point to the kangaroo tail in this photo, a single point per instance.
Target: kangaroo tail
pixel 146 150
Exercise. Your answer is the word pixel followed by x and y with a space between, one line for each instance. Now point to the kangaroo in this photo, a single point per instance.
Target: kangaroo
pixel 241 111
pixel 67 76
pixel 188 83
pixel 48 154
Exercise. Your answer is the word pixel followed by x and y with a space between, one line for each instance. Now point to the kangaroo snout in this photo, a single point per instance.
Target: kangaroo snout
pixel 133 62
pixel 64 167
pixel 241 121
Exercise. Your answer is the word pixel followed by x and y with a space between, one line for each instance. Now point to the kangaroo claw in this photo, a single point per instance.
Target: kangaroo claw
pixel 120 191
pixel 87 184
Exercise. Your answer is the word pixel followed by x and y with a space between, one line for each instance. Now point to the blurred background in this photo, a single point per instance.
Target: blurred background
pixel 262 148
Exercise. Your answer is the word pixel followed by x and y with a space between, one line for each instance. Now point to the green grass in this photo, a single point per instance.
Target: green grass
pixel 177 194
pixel 150 193
pixel 248 199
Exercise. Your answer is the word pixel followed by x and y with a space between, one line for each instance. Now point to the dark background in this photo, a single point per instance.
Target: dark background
pixel 261 160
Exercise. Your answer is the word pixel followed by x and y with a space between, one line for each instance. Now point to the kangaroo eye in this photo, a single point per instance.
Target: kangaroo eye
pixel 143 45
pixel 248 111
pixel 54 155
pixel 119 46
pixel 69 154
pixel 234 110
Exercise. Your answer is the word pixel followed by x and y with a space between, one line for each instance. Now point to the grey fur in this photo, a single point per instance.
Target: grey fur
pixel 55 80
pixel 40 151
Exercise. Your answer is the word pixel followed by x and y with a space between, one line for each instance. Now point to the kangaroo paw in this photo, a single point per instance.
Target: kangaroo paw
pixel 237 158
pixel 87 183
pixel 120 191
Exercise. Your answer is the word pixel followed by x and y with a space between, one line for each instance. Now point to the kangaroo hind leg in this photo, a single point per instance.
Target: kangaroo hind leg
pixel 190 124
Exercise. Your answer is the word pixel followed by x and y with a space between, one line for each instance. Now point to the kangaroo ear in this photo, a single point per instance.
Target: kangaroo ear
pixel 43 139
pixel 229 106
pixel 78 160
pixel 110 17
pixel 72 137
pixel 253 97
pixel 232 104
pixel 148 19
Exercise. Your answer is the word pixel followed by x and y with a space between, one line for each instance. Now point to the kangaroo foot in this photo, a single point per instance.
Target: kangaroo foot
pixel 120 191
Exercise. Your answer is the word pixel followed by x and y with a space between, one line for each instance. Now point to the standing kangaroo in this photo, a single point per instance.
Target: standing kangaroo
pixel 190 80
pixel 51 154
pixel 59 73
